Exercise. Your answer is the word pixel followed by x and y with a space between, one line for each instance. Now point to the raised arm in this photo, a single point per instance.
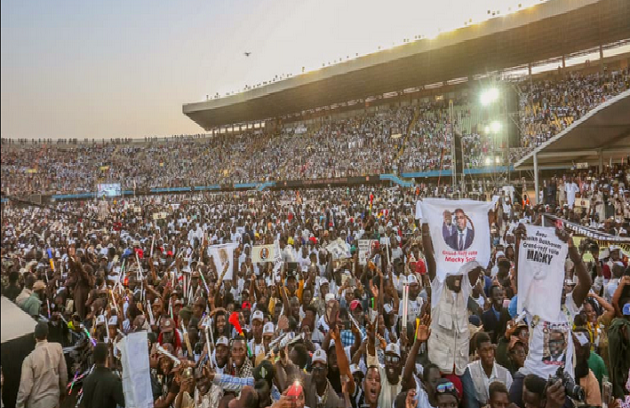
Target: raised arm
pixel 584 279
pixel 427 243
pixel 625 281
pixel 342 359
pixel 422 335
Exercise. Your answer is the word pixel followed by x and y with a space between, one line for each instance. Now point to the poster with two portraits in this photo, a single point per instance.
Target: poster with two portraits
pixel 459 231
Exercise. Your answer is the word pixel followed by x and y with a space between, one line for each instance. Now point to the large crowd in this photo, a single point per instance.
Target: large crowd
pixel 413 138
pixel 325 321
pixel 548 107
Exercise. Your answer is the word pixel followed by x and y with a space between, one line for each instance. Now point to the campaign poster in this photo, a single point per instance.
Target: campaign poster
pixel 460 233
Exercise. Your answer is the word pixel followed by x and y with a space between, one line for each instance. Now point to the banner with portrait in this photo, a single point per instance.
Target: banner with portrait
pixel 263 253
pixel 460 232
pixel 223 255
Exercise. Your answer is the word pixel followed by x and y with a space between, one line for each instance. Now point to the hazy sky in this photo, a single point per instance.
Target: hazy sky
pixel 118 68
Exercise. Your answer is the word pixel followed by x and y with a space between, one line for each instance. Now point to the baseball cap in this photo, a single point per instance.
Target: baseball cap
pixel 354 368
pixel 246 305
pixel 258 315
pixel 264 371
pixel 393 348
pixel 223 341
pixel 167 325
pixel 323 281
pixel 268 328
pixel 354 304
pixel 412 279
pixel 319 356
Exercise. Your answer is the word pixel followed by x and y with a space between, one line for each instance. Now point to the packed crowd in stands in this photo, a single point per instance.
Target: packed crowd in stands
pixel 319 320
pixel 414 138
pixel 548 107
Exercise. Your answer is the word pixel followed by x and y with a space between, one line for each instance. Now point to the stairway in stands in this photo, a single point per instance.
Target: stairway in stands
pixel 416 115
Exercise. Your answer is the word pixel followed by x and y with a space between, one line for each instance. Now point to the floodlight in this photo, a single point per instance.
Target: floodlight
pixel 488 161
pixel 489 96
pixel 495 127
pixel 498 160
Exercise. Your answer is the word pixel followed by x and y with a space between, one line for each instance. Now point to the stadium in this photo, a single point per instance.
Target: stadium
pixel 269 260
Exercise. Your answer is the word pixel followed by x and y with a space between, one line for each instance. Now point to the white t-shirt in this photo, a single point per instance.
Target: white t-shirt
pixel 551 343
pixel 414 309
pixel 541 272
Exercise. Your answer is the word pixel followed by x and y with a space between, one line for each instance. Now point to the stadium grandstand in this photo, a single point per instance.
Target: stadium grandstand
pixel 467 104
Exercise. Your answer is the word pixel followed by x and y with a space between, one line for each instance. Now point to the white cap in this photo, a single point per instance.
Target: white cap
pixel 319 356
pixel 258 315
pixel 268 328
pixel 223 341
pixel 323 281
pixel 468 267
pixel 393 348
pixel 354 368
pixel 412 279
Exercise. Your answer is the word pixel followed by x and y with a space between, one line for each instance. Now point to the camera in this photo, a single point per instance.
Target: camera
pixel 571 389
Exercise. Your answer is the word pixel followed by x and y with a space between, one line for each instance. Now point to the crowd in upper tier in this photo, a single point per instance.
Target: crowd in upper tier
pixel 400 139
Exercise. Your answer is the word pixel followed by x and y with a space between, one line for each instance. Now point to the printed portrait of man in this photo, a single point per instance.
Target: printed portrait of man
pixel 460 234
pixel 554 351
pixel 264 253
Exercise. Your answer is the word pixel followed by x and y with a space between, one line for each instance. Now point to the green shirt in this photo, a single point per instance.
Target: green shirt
pixel 597 366
pixel 32 304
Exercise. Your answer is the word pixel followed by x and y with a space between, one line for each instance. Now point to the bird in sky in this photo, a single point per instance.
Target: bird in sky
pixel 247 54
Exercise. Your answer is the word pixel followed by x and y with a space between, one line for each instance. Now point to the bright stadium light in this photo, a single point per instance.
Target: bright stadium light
pixel 489 96
pixel 488 161
pixel 498 160
pixel 486 130
pixel 495 127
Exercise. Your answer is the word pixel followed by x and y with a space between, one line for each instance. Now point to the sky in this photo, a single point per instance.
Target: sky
pixel 90 69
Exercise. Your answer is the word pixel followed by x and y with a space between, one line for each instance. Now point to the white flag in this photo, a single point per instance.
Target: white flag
pixel 136 376
pixel 222 255
pixel 460 233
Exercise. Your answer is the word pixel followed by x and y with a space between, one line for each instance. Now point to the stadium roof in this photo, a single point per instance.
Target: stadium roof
pixel 548 30
pixel 603 133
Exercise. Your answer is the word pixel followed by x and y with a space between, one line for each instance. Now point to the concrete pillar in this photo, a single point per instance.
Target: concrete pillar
pixel 601 161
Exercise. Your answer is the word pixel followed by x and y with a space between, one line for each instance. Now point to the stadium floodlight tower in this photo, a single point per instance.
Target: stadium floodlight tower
pixel 492 105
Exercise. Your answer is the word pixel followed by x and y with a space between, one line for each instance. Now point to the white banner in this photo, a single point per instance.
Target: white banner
pixel 365 250
pixel 339 249
pixel 136 376
pixel 418 210
pixel 263 253
pixel 460 232
pixel 541 260
pixel 222 255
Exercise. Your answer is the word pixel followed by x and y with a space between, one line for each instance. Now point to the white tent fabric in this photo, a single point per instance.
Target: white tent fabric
pixel 15 322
